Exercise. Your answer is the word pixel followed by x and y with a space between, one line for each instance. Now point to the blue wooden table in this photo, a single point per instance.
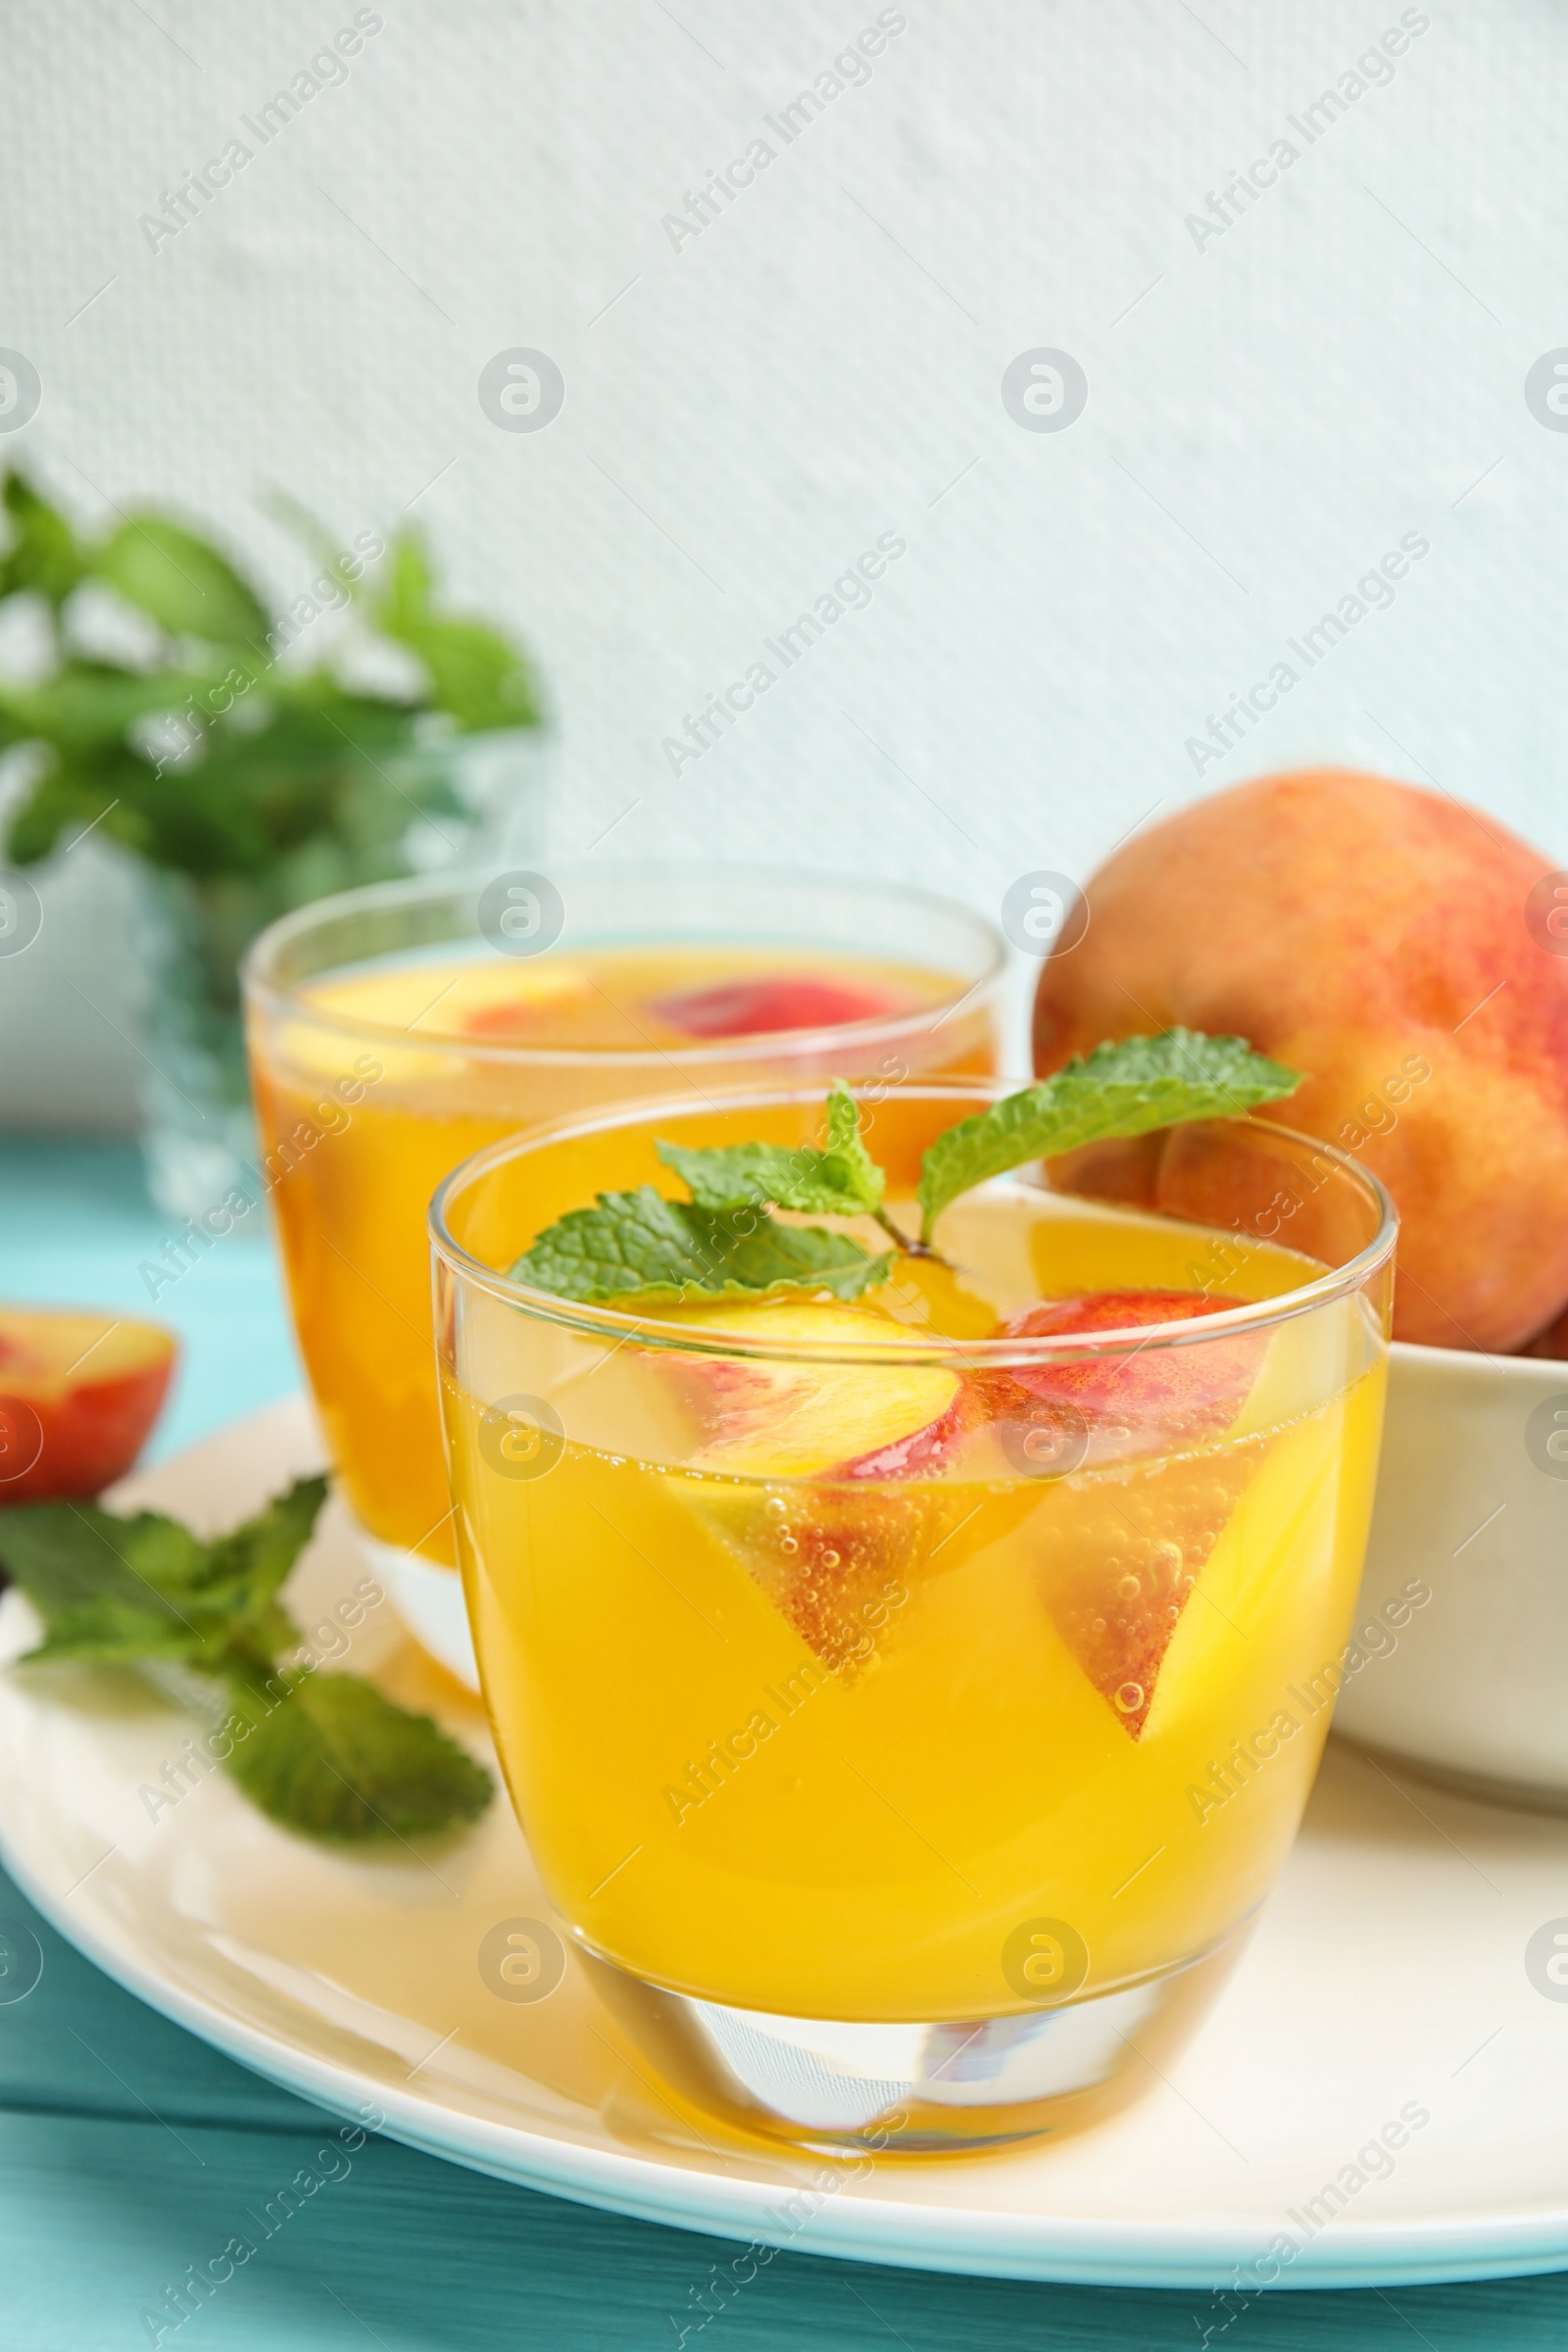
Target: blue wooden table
pixel 130 2150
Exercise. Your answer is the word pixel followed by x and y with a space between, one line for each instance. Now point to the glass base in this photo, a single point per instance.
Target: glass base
pixel 853 2090
pixel 429 1600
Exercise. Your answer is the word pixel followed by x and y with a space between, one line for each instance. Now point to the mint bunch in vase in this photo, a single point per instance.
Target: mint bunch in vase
pixel 250 760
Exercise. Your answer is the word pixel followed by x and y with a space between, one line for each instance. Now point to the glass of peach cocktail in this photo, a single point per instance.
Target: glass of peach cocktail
pixel 394 1031
pixel 898 1661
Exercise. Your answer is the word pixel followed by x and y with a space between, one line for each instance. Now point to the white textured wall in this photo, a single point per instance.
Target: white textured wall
pixel 821 365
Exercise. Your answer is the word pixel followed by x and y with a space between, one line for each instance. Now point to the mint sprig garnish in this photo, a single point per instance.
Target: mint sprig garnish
pixel 326 1754
pixel 639 1245
pixel 1118 1090
pixel 843 1178
pixel 643 1246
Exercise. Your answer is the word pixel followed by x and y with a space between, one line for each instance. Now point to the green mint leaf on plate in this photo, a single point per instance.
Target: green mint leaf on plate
pixel 326 1754
pixel 244 1570
pixel 638 1245
pixel 842 1180
pixel 112 1590
pixel 337 1760
pixel 113 1631
pixel 109 1591
pixel 1118 1090
pixel 63 1555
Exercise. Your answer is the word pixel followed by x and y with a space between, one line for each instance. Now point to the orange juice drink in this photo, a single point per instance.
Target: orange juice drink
pixel 910 1701
pixel 396 1030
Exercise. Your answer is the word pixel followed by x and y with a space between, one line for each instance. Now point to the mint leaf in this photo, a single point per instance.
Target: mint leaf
pixel 844 1179
pixel 112 1630
pixel 43 554
pixel 112 1590
pixel 89 704
pixel 244 1570
pixel 100 1583
pixel 280 783
pixel 640 1244
pixel 63 1555
pixel 337 1760
pixel 476 677
pixel 312 532
pixel 184 584
pixel 331 1756
pixel 1118 1090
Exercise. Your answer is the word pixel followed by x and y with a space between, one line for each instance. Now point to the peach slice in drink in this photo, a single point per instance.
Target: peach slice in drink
pixel 1120 1555
pixel 579 1008
pixel 863 1456
pixel 1139 1399
pixel 764 1003
pixel 761 1419
pixel 800 1459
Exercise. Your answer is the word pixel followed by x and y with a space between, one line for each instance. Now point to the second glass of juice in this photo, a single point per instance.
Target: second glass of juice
pixel 909 1702
pixel 395 1030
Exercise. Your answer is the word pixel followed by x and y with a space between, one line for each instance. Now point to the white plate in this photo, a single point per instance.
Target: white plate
pixel 1388 1973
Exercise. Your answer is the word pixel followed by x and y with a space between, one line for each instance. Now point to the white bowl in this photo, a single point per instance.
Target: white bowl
pixel 1469 1682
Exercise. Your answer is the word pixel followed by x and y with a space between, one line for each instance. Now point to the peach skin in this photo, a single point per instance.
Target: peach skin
pixel 1388 941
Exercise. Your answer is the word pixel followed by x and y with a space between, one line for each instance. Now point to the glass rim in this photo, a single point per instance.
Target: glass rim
pixel 617 1324
pixel 265 993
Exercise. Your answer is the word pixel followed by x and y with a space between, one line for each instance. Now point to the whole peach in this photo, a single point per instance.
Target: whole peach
pixel 1385 940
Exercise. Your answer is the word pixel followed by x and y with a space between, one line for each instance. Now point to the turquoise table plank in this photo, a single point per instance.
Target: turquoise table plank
pixel 80 2045
pixel 130 2150
pixel 407 2253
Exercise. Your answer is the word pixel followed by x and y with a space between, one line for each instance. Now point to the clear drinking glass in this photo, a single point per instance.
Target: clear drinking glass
pixel 393 1031
pixel 908 1718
